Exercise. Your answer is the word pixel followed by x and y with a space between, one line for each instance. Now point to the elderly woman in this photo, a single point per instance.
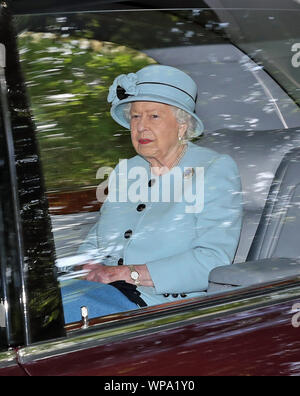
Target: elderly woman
pixel 158 245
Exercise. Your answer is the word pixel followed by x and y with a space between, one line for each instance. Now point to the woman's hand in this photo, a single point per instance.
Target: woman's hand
pixel 108 274
pixel 100 273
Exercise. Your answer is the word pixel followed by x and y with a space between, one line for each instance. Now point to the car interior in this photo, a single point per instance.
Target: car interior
pixel 274 253
pixel 250 116
pixel 267 157
pixel 268 161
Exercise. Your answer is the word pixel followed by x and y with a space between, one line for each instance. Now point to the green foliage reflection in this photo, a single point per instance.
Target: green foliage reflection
pixel 68 81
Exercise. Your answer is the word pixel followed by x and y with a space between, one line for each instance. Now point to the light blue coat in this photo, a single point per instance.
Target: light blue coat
pixel 179 248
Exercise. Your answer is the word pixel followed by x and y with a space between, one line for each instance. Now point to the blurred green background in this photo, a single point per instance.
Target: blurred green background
pixel 68 81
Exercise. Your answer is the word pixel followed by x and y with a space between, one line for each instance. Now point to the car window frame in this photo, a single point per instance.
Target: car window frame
pixel 23 302
pixel 152 320
pixel 13 303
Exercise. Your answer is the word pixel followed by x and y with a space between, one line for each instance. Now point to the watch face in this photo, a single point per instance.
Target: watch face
pixel 135 275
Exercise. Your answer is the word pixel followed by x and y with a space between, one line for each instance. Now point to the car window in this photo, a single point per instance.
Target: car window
pixel 246 88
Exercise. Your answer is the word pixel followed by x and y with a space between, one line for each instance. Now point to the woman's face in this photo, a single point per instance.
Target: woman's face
pixel 155 130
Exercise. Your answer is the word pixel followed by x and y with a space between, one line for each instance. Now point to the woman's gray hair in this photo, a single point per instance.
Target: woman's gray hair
pixel 182 117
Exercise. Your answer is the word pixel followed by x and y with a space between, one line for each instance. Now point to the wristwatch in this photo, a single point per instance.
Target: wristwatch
pixel 135 276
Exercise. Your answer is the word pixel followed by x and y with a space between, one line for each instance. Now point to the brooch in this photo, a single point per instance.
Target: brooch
pixel 188 173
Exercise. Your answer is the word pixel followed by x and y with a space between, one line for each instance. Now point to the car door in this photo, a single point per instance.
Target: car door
pixel 52 90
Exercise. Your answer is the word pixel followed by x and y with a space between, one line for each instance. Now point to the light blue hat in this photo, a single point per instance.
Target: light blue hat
pixel 155 83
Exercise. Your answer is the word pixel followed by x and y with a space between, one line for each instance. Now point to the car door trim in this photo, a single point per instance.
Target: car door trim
pixel 145 323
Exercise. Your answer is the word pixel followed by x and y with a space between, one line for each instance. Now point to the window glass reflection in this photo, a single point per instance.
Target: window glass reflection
pixel 68 81
pixel 248 84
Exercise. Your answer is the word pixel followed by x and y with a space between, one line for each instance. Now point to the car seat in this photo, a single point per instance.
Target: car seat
pixel 278 233
pixel 275 250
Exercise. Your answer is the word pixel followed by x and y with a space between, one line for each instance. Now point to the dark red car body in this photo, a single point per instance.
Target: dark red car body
pixel 250 342
pixel 247 332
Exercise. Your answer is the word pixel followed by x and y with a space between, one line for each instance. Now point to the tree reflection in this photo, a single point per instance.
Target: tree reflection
pixel 68 81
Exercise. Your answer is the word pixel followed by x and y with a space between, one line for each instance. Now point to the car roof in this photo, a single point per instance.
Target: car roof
pixel 46 6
